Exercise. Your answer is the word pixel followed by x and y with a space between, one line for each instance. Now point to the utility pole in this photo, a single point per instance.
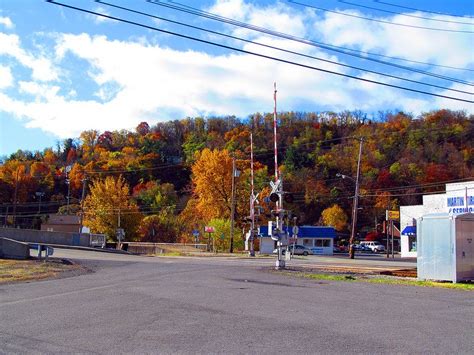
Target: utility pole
pixel 15 197
pixel 355 205
pixel 253 198
pixel 68 182
pixel 84 182
pixel 6 216
pixel 232 208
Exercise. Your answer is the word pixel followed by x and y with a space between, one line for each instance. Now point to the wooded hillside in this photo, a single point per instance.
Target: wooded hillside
pixel 170 178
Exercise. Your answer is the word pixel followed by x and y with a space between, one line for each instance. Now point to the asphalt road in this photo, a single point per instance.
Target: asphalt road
pixel 134 304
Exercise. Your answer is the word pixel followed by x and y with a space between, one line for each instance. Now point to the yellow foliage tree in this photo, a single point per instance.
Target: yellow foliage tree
pixel 109 204
pixel 335 216
pixel 212 178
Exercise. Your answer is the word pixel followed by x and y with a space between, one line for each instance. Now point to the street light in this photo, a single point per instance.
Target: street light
pixel 40 195
pixel 342 176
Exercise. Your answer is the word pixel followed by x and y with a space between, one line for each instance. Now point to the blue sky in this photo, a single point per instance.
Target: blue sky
pixel 63 71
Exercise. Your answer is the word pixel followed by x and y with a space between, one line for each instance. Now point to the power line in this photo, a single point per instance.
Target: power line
pixel 258 54
pixel 402 14
pixel 427 11
pixel 343 50
pixel 377 20
pixel 283 50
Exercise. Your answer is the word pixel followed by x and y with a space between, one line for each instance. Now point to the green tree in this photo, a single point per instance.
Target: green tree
pixel 159 228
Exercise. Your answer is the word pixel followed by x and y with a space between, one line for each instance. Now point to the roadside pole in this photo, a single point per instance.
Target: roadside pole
pixel 84 181
pixel 232 208
pixel 355 205
pixel 391 231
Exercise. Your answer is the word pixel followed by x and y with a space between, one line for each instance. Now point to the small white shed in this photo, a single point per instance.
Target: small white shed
pixel 446 247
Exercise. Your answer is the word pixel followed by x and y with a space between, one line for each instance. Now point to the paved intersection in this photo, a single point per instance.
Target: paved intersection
pixel 133 304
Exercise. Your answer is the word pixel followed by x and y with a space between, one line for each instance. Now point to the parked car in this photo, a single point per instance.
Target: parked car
pixel 374 246
pixel 340 249
pixel 362 248
pixel 298 250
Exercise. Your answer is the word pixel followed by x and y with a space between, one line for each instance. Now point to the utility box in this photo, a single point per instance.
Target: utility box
pixel 446 247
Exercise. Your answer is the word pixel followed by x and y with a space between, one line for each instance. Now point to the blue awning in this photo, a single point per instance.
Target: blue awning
pixel 409 230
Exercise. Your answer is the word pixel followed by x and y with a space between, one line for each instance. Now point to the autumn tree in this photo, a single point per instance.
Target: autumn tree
pixel 156 197
pixel 108 207
pixel 159 228
pixel 335 216
pixel 212 178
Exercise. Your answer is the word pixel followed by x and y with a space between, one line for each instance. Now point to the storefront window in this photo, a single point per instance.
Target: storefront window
pixel 325 243
pixel 307 242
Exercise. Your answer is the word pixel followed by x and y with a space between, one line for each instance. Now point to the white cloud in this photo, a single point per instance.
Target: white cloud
pixel 42 68
pixel 6 77
pixel 100 19
pixel 445 48
pixel 274 17
pixel 5 21
pixel 134 80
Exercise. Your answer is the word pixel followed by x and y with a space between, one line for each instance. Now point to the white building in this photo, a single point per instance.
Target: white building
pixel 458 199
pixel 319 239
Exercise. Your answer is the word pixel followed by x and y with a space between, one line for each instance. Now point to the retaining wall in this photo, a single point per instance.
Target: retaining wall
pixel 13 249
pixel 37 236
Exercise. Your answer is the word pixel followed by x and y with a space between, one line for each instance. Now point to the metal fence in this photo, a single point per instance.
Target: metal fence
pixel 163 248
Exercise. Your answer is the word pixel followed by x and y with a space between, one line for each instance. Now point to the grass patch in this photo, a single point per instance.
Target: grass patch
pixel 27 270
pixel 384 280
pixel 457 286
pixel 328 277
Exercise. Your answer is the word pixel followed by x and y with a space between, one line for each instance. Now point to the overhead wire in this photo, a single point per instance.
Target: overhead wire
pixel 402 14
pixel 283 50
pixel 420 10
pixel 378 20
pixel 255 53
pixel 343 50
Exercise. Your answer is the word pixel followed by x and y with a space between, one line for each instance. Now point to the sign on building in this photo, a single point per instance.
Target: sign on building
pixel 392 215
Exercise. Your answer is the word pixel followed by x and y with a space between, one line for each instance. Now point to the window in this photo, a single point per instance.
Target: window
pixel 307 242
pixel 323 243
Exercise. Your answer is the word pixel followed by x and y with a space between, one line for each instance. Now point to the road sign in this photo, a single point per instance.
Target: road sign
pixel 209 229
pixel 195 233
pixel 295 230
pixel 392 215
pixel 275 186
pixel 120 234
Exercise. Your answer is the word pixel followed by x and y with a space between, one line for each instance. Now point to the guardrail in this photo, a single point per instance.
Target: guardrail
pixel 161 248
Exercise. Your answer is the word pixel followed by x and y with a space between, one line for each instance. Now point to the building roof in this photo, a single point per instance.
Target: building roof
pixel 63 219
pixel 305 231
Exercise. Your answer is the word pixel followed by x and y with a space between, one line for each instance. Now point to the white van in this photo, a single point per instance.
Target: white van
pixel 373 245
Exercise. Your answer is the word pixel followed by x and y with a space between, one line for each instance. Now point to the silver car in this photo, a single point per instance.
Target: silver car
pixel 300 250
